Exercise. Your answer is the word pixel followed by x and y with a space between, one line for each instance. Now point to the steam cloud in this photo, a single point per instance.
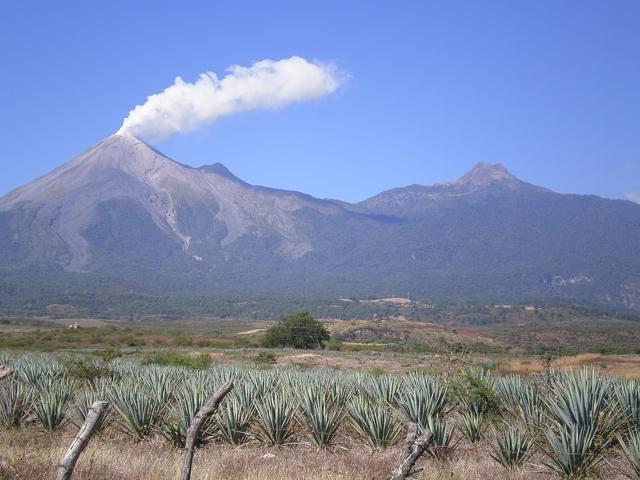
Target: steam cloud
pixel 267 84
pixel 633 197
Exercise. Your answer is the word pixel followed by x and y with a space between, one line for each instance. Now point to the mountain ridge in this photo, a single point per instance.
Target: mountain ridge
pixel 125 213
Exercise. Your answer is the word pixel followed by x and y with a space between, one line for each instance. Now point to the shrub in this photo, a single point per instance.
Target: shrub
pixel 85 368
pixel 241 342
pixel 182 341
pixel 298 331
pixel 474 387
pixel 266 358
pixel 175 359
pixel 109 354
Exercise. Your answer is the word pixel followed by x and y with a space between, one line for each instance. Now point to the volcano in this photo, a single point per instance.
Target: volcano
pixel 124 213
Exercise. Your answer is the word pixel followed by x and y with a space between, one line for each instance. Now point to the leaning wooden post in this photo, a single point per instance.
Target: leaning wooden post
pixel 412 452
pixel 87 431
pixel 5 372
pixel 207 409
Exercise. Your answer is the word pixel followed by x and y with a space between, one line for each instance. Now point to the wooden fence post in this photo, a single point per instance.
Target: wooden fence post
pixel 412 452
pixel 207 409
pixel 87 431
pixel 5 372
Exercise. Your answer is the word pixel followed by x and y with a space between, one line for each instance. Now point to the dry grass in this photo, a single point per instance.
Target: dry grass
pixel 621 366
pixel 604 335
pixel 519 367
pixel 29 455
pixel 365 361
pixel 434 335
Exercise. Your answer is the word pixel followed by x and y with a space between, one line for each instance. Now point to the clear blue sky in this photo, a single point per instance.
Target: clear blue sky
pixel 551 89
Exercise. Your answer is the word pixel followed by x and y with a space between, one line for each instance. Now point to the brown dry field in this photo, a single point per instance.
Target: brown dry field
pixel 621 366
pixel 424 332
pixel 30 455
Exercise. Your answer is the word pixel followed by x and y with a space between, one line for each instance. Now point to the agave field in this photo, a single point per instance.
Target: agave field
pixel 568 424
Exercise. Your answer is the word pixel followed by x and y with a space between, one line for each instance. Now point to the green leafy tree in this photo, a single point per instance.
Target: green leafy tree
pixel 298 331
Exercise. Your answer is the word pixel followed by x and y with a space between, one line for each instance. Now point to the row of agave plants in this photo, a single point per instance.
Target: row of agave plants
pixel 571 422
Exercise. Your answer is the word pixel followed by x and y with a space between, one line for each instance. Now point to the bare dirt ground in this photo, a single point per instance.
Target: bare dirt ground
pixel 251 332
pixel 82 322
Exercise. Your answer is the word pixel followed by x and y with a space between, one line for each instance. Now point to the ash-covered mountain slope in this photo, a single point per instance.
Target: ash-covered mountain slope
pixel 123 213
pixel 121 184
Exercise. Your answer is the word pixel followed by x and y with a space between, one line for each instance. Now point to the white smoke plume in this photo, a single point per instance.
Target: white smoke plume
pixel 633 197
pixel 266 84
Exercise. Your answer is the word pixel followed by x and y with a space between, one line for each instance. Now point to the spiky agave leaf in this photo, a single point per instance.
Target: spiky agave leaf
pixel 5 359
pixel 375 422
pixel 521 400
pixel 510 388
pixel 512 447
pixel 577 407
pixel 15 403
pixel 573 455
pixel 441 446
pixel 433 389
pixel 631 449
pixel 320 414
pixel 188 401
pixel 138 413
pixel 578 399
pixel 159 382
pixel 531 409
pixel 99 391
pixel 261 382
pixel 50 407
pixel 382 388
pixel 424 402
pixel 40 375
pixel 583 402
pixel 339 392
pixel 233 420
pixel 246 395
pixel 472 422
pixel 276 412
pixel 628 395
